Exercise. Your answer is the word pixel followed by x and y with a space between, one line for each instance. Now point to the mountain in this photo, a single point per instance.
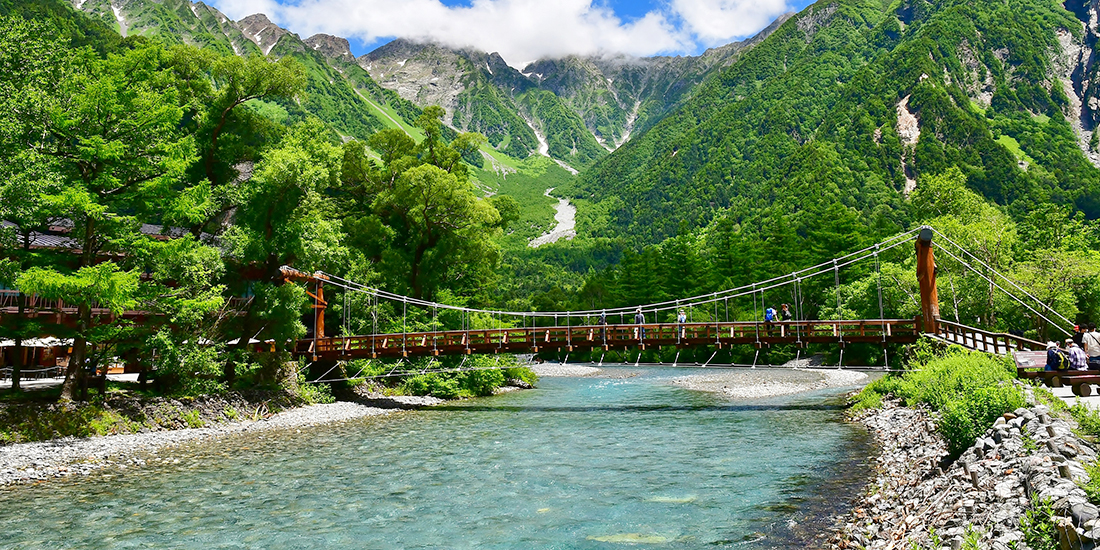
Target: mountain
pixel 844 106
pixel 338 91
pixel 574 109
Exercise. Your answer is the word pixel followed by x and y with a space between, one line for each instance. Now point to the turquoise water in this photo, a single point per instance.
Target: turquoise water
pixel 579 463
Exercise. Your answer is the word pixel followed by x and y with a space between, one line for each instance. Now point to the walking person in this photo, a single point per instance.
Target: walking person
pixel 1078 359
pixel 785 315
pixel 769 318
pixel 602 322
pixel 639 319
pixel 681 318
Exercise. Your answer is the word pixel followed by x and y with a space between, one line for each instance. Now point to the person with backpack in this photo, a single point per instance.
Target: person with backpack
pixel 769 315
pixel 1056 359
pixel 785 315
pixel 639 319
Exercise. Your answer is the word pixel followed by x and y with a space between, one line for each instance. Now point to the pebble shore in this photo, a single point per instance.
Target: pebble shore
pixel 40 461
pixel 920 500
pixel 551 370
pixel 760 383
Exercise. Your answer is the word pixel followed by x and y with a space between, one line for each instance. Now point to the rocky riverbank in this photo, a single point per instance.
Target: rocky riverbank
pixel 919 499
pixel 56 458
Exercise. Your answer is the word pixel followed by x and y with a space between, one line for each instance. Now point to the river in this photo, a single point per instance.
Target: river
pixel 599 462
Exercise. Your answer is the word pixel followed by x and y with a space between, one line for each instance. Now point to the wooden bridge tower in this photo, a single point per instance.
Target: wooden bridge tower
pixel 926 276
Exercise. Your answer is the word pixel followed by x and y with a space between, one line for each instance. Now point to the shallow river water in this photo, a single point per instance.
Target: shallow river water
pixel 579 463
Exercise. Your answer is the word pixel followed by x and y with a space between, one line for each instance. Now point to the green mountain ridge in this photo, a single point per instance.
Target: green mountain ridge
pixel 850 101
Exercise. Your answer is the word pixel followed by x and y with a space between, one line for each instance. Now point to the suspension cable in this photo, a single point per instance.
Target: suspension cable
pixel 999 274
pixel 999 287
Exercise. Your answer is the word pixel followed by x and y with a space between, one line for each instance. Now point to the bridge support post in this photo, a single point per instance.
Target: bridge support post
pixel 926 276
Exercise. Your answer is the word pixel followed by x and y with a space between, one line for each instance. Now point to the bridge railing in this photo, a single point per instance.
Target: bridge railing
pixel 997 343
pixel 589 337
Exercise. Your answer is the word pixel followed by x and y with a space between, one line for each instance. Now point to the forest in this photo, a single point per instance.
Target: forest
pixel 179 180
pixel 172 194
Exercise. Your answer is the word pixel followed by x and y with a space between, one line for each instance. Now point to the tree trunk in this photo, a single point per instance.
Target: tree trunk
pixel 74 374
pixel 20 320
pixel 17 361
pixel 75 371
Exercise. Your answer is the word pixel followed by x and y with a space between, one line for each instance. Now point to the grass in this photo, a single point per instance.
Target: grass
pixel 533 177
pixel 1012 145
pixel 390 119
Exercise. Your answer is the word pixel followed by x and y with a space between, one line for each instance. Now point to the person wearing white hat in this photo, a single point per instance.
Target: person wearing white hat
pixel 1078 359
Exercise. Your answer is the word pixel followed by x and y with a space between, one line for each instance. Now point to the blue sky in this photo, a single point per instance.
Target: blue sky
pixel 525 30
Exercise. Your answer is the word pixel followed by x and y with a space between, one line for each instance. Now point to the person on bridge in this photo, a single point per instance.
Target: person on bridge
pixel 1056 360
pixel 639 319
pixel 769 315
pixel 602 321
pixel 1078 359
pixel 785 315
pixel 681 318
pixel 1092 346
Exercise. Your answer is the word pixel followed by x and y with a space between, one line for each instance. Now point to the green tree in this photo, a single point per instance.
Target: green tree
pixel 443 232
pixel 114 131
pixel 286 218
pixel 31 64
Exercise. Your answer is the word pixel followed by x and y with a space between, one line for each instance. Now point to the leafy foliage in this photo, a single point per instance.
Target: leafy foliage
pixel 969 390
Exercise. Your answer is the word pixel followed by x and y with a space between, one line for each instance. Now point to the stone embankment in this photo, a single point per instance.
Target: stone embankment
pixel 920 500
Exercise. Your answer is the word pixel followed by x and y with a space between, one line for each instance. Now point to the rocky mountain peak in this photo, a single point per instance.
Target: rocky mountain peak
pixel 332 47
pixel 260 30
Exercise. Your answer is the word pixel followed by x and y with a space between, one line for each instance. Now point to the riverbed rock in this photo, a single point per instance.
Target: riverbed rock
pixel 1027 454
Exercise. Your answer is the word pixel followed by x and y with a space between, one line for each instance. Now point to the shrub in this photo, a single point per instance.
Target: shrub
pixel 969 390
pixel 1038 526
pixel 521 373
pixel 971 414
pixel 1088 420
pixel 482 382
pixel 314 393
pixel 1092 488
pixel 436 384
pixel 192 419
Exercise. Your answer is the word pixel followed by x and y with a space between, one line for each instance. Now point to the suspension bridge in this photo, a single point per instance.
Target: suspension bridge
pixel 521 332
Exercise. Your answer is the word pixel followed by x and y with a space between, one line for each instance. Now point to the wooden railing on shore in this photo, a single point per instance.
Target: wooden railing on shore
pixel 997 343
pixel 596 337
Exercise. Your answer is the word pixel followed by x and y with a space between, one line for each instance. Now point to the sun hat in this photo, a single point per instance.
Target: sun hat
pixel 1051 345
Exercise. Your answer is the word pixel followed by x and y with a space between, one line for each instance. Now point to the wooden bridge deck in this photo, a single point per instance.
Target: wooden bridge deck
pixel 594 337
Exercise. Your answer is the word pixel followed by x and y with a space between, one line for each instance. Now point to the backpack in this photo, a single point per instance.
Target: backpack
pixel 769 314
pixel 1063 361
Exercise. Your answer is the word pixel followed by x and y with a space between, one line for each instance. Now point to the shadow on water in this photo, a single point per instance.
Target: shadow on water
pixel 638 408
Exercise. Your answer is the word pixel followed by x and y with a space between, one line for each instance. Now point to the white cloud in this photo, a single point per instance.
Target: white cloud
pixel 523 30
pixel 715 22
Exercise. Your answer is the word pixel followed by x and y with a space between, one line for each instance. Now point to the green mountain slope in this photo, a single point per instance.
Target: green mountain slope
pixel 827 110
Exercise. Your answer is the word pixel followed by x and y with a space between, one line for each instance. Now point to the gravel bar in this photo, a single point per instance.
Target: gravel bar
pixel 760 383
pixel 552 370
pixel 39 461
